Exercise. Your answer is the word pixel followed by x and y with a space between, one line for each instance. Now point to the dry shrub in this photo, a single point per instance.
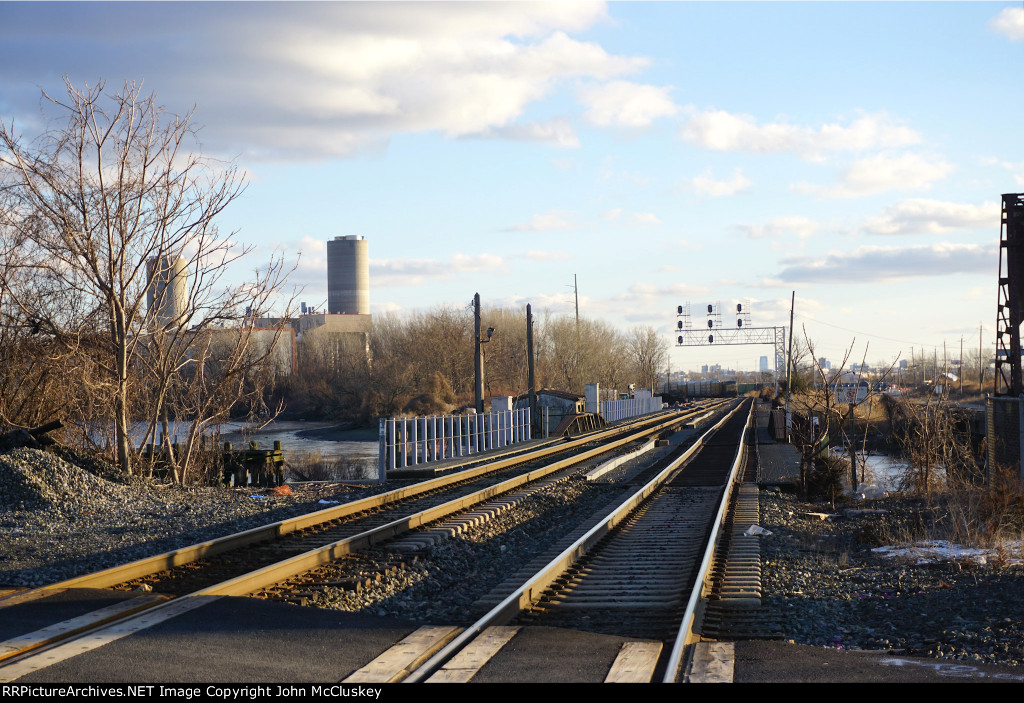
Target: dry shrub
pixel 314 466
pixel 825 477
pixel 990 514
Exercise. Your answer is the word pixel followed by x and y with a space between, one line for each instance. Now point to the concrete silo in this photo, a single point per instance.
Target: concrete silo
pixel 348 276
pixel 167 292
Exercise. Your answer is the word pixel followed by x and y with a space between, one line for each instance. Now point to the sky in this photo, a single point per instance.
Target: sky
pixel 658 154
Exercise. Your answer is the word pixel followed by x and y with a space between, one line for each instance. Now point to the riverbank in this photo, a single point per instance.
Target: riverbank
pixel 341 433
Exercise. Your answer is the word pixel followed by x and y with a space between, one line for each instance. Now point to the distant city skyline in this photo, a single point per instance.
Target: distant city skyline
pixel 660 153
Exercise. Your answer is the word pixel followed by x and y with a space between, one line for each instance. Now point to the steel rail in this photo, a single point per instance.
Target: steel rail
pixel 185 555
pixel 287 568
pixel 686 636
pixel 260 578
pixel 533 588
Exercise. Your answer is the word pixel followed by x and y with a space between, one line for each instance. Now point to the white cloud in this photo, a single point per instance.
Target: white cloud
pixel 933 217
pixel 648 294
pixel 1016 169
pixel 1009 23
pixel 542 304
pixel 626 104
pixel 883 173
pixel 883 263
pixel 536 255
pixel 415 272
pixel 781 226
pixel 556 132
pixel 341 77
pixel 705 184
pixel 638 218
pixel 553 220
pixel 719 130
pixel 646 218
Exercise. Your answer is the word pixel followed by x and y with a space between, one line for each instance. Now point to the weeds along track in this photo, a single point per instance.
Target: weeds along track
pixel 246 562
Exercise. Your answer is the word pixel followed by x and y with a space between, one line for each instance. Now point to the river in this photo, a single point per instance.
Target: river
pixel 352 444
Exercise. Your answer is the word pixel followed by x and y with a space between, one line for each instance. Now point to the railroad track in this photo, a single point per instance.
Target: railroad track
pixel 259 558
pixel 640 573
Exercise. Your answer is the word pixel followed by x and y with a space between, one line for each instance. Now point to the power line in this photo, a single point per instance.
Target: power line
pixel 871 335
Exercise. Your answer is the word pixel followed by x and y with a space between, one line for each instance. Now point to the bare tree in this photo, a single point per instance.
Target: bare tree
pixel 114 186
pixel 648 352
pixel 834 407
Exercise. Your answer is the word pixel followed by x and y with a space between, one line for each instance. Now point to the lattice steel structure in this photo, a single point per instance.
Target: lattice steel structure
pixel 716 334
pixel 1010 311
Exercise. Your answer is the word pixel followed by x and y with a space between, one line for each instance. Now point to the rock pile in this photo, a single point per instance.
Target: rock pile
pixel 32 479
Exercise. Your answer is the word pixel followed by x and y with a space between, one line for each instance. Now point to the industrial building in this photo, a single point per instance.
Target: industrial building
pixel 167 291
pixel 345 327
pixel 348 276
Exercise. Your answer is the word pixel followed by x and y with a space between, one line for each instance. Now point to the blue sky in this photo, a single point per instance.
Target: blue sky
pixel 662 152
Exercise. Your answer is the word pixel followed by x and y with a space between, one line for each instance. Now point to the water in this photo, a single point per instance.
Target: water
pixel 883 470
pixel 292 444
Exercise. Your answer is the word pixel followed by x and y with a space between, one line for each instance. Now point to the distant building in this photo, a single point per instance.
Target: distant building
pixel 348 276
pixel 764 364
pixel 345 327
pixel 559 404
pixel 167 291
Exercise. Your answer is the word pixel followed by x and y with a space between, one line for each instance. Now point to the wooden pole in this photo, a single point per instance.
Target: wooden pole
pixel 531 377
pixel 478 357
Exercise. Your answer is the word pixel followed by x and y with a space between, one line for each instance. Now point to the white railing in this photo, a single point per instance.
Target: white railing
pixel 409 441
pixel 615 410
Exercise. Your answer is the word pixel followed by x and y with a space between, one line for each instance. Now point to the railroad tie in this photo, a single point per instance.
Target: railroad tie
pixel 734 608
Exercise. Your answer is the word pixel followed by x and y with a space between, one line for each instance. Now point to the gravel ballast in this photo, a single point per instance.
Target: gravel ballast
pixel 821 576
pixel 834 585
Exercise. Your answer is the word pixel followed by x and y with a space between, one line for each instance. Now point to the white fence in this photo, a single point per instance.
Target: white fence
pixel 408 441
pixel 615 410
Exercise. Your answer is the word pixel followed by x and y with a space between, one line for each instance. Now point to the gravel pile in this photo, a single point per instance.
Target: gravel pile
pixel 58 519
pixel 834 587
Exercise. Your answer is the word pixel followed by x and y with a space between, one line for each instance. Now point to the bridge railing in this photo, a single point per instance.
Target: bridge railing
pixel 615 410
pixel 410 441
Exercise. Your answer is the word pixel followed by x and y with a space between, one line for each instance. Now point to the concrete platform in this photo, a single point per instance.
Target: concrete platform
pixel 778 465
pixel 237 640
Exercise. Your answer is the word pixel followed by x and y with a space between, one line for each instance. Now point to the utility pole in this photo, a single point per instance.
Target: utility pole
pixel 529 355
pixel 576 292
pixel 981 363
pixel 478 356
pixel 789 358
